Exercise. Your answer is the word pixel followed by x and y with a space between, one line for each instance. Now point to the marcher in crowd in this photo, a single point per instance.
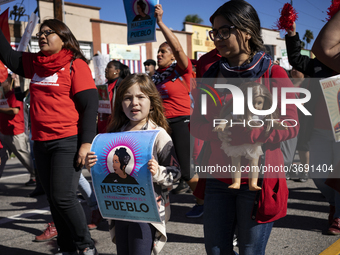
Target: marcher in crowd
pixel 172 79
pixel 115 72
pixel 63 111
pixel 150 66
pixel 138 106
pixel 12 132
pixel 326 49
pixel 237 36
pixel 316 130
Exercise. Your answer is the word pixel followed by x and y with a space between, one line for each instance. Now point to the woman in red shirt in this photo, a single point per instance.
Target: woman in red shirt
pixel 172 80
pixel 63 111
pixel 237 36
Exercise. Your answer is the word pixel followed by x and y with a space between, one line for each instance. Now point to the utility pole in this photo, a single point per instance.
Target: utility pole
pixel 58 9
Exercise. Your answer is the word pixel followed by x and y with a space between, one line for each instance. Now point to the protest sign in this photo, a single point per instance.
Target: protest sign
pixel 32 22
pixel 331 91
pixel 141 22
pixel 104 99
pixel 99 63
pixel 121 178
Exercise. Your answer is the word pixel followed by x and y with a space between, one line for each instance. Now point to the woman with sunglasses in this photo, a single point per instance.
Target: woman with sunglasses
pixel 63 113
pixel 237 36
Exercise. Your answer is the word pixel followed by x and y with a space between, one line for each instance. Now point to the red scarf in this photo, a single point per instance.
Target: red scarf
pixel 46 66
pixel 161 70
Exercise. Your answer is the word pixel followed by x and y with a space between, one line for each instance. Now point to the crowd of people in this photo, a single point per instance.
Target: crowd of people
pixel 162 99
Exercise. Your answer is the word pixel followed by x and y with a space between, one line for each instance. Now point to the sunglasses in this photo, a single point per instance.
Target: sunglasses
pixel 45 33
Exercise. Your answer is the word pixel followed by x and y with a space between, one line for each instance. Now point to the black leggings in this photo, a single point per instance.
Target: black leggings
pixel 134 238
pixel 59 179
pixel 180 136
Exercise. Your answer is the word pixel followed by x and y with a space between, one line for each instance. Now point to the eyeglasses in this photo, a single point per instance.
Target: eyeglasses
pixel 45 33
pixel 222 33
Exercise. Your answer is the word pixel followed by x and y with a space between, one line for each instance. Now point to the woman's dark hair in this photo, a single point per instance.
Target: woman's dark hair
pixel 244 17
pixel 142 5
pixel 70 42
pixel 114 63
pixel 123 157
pixel 124 69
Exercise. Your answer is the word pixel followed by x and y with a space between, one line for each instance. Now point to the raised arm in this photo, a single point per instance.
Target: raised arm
pixel 11 58
pixel 301 63
pixel 327 44
pixel 177 50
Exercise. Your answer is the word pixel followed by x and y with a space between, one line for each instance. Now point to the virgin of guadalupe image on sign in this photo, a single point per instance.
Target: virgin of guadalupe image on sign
pixel 141 8
pixel 121 179
pixel 119 163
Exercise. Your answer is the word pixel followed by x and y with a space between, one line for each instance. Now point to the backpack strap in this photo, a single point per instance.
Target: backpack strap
pixel 182 81
pixel 71 63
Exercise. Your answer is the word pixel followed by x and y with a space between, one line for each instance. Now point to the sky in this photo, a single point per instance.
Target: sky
pixel 312 14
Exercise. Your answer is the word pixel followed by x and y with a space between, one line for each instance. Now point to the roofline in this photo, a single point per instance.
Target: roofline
pixel 76 5
pixel 124 24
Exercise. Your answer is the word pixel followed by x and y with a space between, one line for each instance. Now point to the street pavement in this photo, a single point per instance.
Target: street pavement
pixel 302 231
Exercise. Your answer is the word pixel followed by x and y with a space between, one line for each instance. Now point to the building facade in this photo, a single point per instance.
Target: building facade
pixel 110 38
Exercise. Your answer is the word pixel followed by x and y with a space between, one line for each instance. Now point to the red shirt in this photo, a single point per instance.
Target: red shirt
pixel 53 111
pixel 206 61
pixel 12 124
pixel 174 91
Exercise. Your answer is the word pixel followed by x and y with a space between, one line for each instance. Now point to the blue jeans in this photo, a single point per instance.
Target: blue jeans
pixel 134 238
pixel 324 150
pixel 86 190
pixel 224 209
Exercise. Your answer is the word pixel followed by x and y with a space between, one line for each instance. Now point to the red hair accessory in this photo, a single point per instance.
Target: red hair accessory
pixel 288 17
pixel 334 8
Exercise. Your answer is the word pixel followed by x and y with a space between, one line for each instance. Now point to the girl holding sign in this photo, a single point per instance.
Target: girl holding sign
pixel 138 106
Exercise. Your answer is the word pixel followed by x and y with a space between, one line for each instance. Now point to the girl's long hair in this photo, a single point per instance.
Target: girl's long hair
pixel 146 85
pixel 70 42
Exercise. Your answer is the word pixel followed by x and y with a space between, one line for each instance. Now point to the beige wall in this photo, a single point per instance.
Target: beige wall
pixel 112 32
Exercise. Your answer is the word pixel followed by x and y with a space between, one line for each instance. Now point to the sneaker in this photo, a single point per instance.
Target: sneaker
pixel 31 182
pixel 304 177
pixel 89 251
pixel 181 188
pixel 96 218
pixel 334 229
pixel 49 233
pixel 235 241
pixel 195 212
